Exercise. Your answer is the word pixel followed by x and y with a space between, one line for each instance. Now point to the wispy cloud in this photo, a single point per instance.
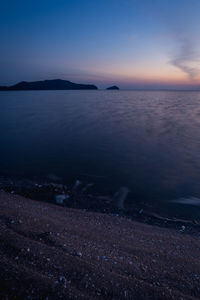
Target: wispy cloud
pixel 187 59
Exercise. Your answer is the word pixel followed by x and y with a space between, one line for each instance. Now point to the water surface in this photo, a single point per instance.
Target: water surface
pixel 148 141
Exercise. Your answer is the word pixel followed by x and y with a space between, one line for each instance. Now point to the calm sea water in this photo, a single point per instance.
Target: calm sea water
pixel 148 141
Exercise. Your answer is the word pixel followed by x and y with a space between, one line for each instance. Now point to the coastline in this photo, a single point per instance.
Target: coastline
pixel 52 252
pixel 80 195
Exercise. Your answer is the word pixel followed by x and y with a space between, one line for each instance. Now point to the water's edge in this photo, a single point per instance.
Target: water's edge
pixel 78 196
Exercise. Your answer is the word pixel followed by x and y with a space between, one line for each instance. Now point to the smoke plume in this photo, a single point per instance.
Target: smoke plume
pixel 187 59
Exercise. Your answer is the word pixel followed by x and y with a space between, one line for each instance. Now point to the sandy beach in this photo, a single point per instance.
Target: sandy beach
pixel 52 252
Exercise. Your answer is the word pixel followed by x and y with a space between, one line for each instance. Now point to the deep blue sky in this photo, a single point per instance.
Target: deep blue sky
pixel 132 43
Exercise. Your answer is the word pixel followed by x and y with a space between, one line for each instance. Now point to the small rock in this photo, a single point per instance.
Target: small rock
pixel 61 198
pixel 182 228
pixel 38 185
pixel 78 253
pixel 63 280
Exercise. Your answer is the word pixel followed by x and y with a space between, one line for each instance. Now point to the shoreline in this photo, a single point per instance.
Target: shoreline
pixel 53 252
pixel 79 196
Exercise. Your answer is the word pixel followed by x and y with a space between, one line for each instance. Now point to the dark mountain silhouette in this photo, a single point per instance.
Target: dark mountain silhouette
pixel 57 84
pixel 114 87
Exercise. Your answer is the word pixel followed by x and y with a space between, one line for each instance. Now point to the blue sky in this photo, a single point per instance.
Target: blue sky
pixel 132 43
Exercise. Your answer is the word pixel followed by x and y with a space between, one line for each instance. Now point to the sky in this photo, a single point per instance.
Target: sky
pixel 130 43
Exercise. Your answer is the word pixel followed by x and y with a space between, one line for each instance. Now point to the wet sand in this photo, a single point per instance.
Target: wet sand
pixel 52 252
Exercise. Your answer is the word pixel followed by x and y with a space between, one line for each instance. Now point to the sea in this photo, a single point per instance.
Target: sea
pixel 146 141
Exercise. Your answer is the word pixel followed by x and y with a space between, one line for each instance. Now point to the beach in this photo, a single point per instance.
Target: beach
pixel 52 252
pixel 100 150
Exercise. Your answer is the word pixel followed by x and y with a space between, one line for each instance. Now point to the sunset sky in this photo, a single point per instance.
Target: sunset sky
pixel 131 43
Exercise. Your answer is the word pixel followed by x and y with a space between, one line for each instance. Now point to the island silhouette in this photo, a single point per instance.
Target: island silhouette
pixel 56 84
pixel 114 87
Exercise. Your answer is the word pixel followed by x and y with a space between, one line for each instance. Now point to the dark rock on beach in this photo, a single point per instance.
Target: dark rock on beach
pixel 56 84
